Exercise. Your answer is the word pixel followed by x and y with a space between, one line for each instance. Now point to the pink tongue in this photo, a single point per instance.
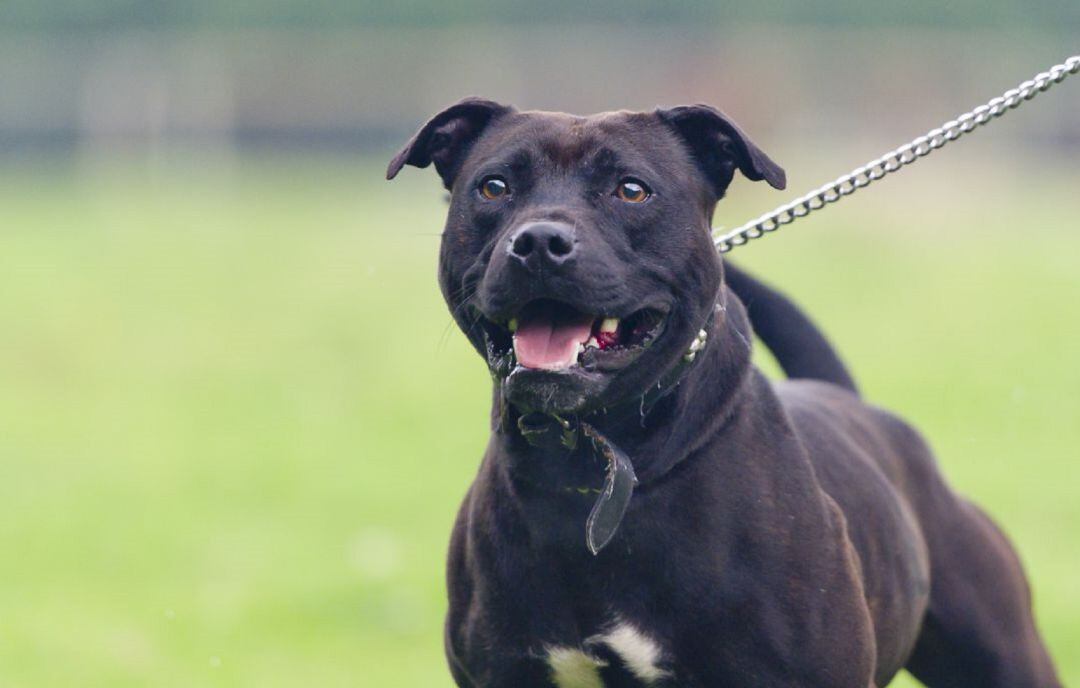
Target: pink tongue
pixel 540 342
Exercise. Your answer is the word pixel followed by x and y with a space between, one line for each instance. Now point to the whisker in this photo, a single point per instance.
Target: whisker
pixel 464 301
pixel 445 337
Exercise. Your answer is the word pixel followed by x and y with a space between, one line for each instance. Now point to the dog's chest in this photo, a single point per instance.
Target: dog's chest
pixel 624 655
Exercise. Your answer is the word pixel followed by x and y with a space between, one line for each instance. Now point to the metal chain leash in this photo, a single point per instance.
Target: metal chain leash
pixel 891 162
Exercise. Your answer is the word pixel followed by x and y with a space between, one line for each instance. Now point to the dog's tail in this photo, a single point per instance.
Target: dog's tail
pixel 798 345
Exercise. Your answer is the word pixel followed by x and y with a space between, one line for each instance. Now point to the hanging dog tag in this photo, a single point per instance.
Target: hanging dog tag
pixel 619 481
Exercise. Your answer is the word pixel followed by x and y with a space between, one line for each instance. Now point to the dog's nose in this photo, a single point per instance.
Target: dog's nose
pixel 543 243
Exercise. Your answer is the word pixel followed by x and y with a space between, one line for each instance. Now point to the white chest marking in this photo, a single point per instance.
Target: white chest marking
pixel 572 668
pixel 638 651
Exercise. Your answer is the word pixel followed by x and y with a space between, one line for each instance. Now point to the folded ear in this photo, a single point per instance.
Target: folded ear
pixel 720 146
pixel 447 137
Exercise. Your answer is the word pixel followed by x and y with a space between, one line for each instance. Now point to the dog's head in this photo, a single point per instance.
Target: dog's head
pixel 577 256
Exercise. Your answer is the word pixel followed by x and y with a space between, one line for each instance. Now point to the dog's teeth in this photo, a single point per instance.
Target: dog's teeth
pixel 592 343
pixel 512 325
pixel 609 325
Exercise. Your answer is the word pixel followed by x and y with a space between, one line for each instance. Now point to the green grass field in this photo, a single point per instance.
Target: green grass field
pixel 235 421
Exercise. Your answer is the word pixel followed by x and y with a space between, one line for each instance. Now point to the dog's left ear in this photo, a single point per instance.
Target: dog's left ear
pixel 446 138
pixel 720 146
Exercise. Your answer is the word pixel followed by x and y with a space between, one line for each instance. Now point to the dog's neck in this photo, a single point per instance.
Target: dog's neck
pixel 657 434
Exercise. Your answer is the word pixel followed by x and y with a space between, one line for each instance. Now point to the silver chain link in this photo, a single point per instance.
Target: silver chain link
pixel 891 162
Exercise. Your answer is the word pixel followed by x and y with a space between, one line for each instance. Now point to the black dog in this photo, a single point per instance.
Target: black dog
pixel 651 511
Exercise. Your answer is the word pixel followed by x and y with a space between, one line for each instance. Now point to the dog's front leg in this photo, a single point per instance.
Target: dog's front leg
pixel 509 623
pixel 522 671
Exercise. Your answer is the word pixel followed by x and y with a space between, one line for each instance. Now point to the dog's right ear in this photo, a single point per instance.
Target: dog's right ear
pixel 447 137
pixel 720 146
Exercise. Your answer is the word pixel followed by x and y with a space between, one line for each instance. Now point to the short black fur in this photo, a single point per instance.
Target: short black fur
pixel 781 534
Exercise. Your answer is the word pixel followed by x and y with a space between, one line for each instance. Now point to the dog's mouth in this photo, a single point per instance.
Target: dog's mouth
pixel 555 336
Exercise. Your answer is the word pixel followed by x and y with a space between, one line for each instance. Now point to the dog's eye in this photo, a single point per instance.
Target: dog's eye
pixel 632 191
pixel 493 187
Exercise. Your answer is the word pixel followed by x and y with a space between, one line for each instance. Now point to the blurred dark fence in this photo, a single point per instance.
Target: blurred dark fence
pixel 110 75
pixel 80 15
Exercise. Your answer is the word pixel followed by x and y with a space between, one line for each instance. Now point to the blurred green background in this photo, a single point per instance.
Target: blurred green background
pixel 235 417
